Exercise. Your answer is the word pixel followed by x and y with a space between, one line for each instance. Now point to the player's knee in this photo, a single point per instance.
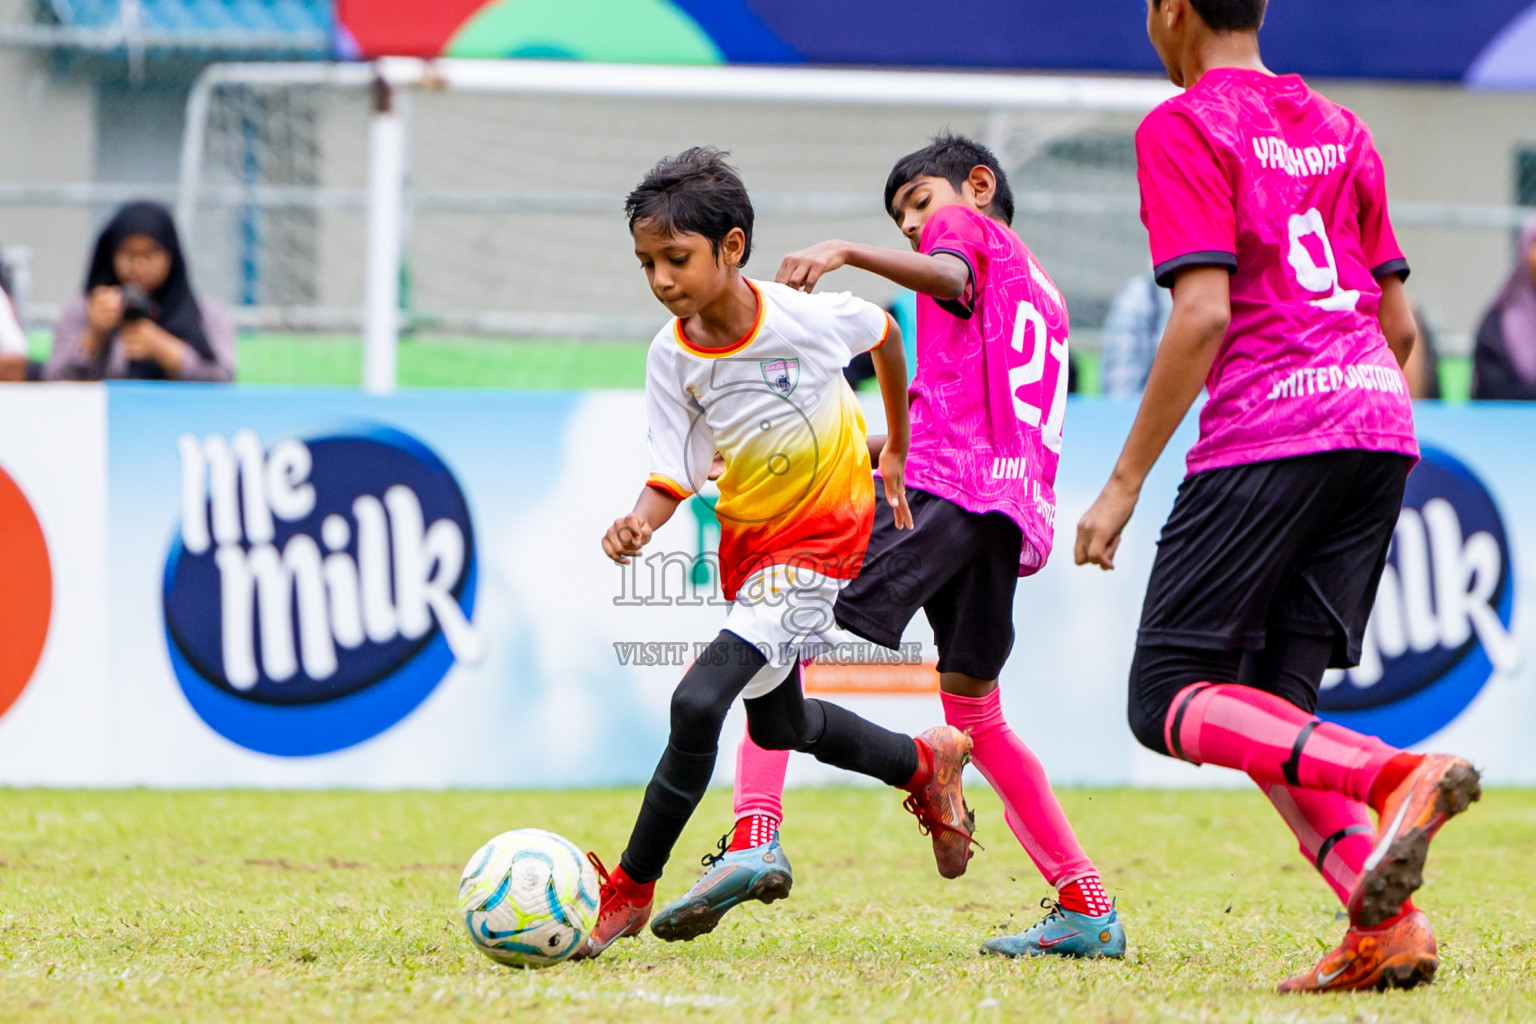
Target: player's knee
pixel 1147 709
pixel 1147 727
pixel 696 713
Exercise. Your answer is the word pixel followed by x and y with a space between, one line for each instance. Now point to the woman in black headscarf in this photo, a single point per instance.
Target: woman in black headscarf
pixel 138 317
pixel 1504 359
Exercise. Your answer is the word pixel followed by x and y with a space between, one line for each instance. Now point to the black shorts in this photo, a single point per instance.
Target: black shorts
pixel 959 567
pixel 1288 546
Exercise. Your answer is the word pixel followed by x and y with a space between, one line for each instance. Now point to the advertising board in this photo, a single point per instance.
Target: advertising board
pixel 280 587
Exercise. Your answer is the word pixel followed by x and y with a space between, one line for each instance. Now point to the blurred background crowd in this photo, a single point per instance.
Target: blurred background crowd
pixel 516 269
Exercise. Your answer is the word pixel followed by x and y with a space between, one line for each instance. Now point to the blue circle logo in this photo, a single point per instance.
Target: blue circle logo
pixel 1441 624
pixel 317 590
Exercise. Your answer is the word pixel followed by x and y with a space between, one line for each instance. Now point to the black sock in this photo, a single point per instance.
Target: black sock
pixel 837 736
pixel 784 720
pixel 675 790
pixel 699 705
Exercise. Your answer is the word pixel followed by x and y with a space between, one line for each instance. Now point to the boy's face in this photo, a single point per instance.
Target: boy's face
pixel 924 196
pixel 683 271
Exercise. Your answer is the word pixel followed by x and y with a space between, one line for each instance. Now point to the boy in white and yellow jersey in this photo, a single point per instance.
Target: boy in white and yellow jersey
pixel 753 370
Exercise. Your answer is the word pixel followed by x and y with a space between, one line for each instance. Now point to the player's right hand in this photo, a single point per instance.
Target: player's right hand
pixel 1100 529
pixel 893 474
pixel 626 537
pixel 801 270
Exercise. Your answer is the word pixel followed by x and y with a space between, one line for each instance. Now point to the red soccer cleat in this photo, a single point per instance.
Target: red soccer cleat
pixel 1440 788
pixel 623 908
pixel 937 800
pixel 1399 955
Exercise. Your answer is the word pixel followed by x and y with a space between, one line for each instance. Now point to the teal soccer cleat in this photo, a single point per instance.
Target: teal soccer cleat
pixel 1064 933
pixel 761 873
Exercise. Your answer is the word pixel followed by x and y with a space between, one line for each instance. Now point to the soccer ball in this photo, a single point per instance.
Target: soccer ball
pixel 529 898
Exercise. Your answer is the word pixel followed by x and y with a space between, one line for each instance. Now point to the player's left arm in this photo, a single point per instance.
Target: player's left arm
pixel 1397 320
pixel 891 371
pixel 1202 312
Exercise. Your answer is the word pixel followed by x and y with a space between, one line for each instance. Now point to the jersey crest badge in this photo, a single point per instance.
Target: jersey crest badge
pixel 782 375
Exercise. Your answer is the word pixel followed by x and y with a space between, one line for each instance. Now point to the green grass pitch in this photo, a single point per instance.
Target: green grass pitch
pixel 212 906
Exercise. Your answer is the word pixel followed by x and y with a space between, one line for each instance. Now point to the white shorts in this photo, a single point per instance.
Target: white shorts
pixel 787 614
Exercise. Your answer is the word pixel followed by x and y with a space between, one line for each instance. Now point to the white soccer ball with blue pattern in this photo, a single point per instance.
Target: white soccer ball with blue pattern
pixel 528 898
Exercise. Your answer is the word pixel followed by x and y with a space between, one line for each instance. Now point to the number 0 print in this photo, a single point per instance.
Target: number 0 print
pixel 1029 320
pixel 1316 278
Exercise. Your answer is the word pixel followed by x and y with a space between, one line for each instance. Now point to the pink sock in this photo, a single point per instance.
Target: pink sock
pixel 1335 833
pixel 1029 806
pixel 760 781
pixel 1272 740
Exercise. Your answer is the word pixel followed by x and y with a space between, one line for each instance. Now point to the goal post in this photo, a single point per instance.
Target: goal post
pixel 484 193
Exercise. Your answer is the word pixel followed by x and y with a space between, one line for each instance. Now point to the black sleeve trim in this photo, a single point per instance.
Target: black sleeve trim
pixel 951 306
pixel 1167 272
pixel 1387 269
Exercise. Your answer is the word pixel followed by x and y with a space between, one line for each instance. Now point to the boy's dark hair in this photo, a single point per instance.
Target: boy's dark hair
pixel 695 192
pixel 951 157
pixel 1228 15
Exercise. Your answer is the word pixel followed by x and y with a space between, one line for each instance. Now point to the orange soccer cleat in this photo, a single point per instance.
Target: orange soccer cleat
pixel 1438 789
pixel 937 801
pixel 1401 954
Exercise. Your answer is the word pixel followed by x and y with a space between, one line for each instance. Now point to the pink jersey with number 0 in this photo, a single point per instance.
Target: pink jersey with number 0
pixel 1263 176
pixel 991 384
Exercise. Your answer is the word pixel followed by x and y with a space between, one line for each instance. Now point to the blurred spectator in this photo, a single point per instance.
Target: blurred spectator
pixel 1423 366
pixel 1132 329
pixel 138 318
pixel 1504 360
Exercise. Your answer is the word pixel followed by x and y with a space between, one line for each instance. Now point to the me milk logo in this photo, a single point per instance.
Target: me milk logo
pixel 1441 625
pixel 26 591
pixel 318 590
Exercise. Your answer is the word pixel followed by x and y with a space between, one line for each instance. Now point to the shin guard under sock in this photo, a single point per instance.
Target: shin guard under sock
pixel 1272 740
pixel 1335 833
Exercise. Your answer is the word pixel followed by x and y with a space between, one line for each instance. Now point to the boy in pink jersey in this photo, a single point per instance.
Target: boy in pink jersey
pixel 986 415
pixel 1267 214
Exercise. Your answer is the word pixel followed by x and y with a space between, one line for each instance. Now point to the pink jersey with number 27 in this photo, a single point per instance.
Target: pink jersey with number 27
pixel 991 384
pixel 1265 177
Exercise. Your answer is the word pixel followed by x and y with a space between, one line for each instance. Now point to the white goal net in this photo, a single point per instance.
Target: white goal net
pixel 514 174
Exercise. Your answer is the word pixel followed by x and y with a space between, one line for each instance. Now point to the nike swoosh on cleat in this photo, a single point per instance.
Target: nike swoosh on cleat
pixel 1048 943
pixel 1324 980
